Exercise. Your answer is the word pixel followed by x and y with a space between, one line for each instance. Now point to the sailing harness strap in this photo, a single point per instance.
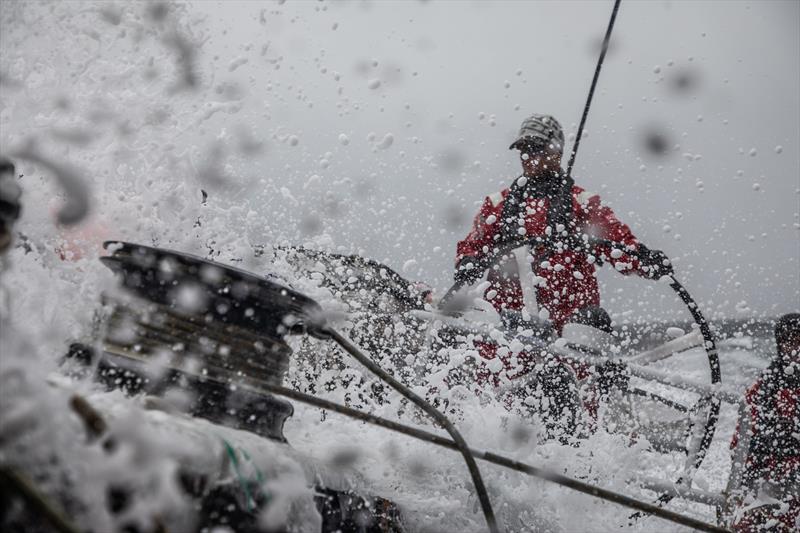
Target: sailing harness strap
pixel 562 230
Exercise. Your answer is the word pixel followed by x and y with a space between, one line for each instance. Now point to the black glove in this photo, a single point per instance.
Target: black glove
pixel 654 263
pixel 468 270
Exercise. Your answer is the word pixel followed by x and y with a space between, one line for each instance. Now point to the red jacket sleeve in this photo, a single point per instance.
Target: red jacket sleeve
pixel 602 223
pixel 480 240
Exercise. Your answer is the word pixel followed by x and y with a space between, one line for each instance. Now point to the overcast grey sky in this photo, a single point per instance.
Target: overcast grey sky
pixel 719 80
pixel 385 124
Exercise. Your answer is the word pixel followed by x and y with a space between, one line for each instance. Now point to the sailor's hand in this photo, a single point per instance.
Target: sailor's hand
pixel 654 263
pixel 455 305
pixel 468 270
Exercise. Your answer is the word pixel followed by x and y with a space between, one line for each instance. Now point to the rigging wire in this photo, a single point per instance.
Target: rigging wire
pixel 600 60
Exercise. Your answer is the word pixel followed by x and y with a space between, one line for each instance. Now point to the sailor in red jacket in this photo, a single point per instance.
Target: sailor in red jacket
pixel 772 465
pixel 566 221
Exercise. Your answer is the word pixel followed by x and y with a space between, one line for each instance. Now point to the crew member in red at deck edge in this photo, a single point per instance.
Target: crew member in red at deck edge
pixel 771 476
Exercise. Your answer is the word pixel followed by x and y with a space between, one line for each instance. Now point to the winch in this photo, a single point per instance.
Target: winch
pixel 203 326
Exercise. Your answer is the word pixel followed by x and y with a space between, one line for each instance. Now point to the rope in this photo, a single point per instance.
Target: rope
pixel 480 488
pixel 489 457
pixel 603 51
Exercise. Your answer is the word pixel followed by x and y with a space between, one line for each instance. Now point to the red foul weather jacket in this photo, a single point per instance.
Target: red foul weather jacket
pixel 774 451
pixel 564 279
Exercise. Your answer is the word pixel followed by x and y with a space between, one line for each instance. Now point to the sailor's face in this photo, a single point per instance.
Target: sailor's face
pixel 790 347
pixel 536 162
